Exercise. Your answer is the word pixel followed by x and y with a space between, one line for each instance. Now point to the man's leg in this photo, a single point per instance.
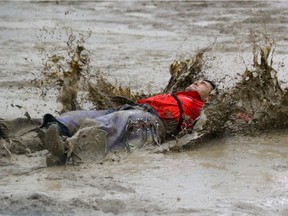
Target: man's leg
pixel 55 145
pixel 123 129
pixel 126 129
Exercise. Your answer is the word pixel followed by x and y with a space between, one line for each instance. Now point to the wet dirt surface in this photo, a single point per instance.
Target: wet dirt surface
pixel 135 42
pixel 228 176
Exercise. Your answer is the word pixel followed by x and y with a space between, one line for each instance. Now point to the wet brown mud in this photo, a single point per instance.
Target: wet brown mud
pixel 243 175
pixel 244 172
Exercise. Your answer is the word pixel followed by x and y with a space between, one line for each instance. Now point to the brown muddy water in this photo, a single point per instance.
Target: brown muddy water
pixel 134 43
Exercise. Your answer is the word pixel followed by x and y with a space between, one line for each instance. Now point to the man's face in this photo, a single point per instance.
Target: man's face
pixel 202 87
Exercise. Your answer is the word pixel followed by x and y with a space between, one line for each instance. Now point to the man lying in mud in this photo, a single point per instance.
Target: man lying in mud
pixel 75 135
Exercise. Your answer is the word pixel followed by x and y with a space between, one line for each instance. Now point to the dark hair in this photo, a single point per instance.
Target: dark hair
pixel 212 84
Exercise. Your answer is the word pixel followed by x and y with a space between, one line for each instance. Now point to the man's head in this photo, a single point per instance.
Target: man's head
pixel 203 87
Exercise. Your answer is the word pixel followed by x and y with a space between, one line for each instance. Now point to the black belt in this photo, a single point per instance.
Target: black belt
pixel 178 129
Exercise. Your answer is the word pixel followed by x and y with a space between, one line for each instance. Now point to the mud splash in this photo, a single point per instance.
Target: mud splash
pixel 255 103
pixel 77 83
pixel 67 73
pixel 74 77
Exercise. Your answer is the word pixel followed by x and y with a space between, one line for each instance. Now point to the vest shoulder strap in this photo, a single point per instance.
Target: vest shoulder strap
pixel 178 129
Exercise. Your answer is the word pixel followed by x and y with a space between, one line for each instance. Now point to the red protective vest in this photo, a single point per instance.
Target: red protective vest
pixel 167 107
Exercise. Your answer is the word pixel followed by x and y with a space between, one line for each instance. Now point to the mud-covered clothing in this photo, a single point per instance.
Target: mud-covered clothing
pixel 70 122
pixel 130 127
pixel 73 119
pixel 127 129
pixel 170 106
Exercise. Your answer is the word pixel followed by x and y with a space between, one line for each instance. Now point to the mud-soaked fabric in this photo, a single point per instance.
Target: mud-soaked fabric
pixel 127 129
pixel 73 119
